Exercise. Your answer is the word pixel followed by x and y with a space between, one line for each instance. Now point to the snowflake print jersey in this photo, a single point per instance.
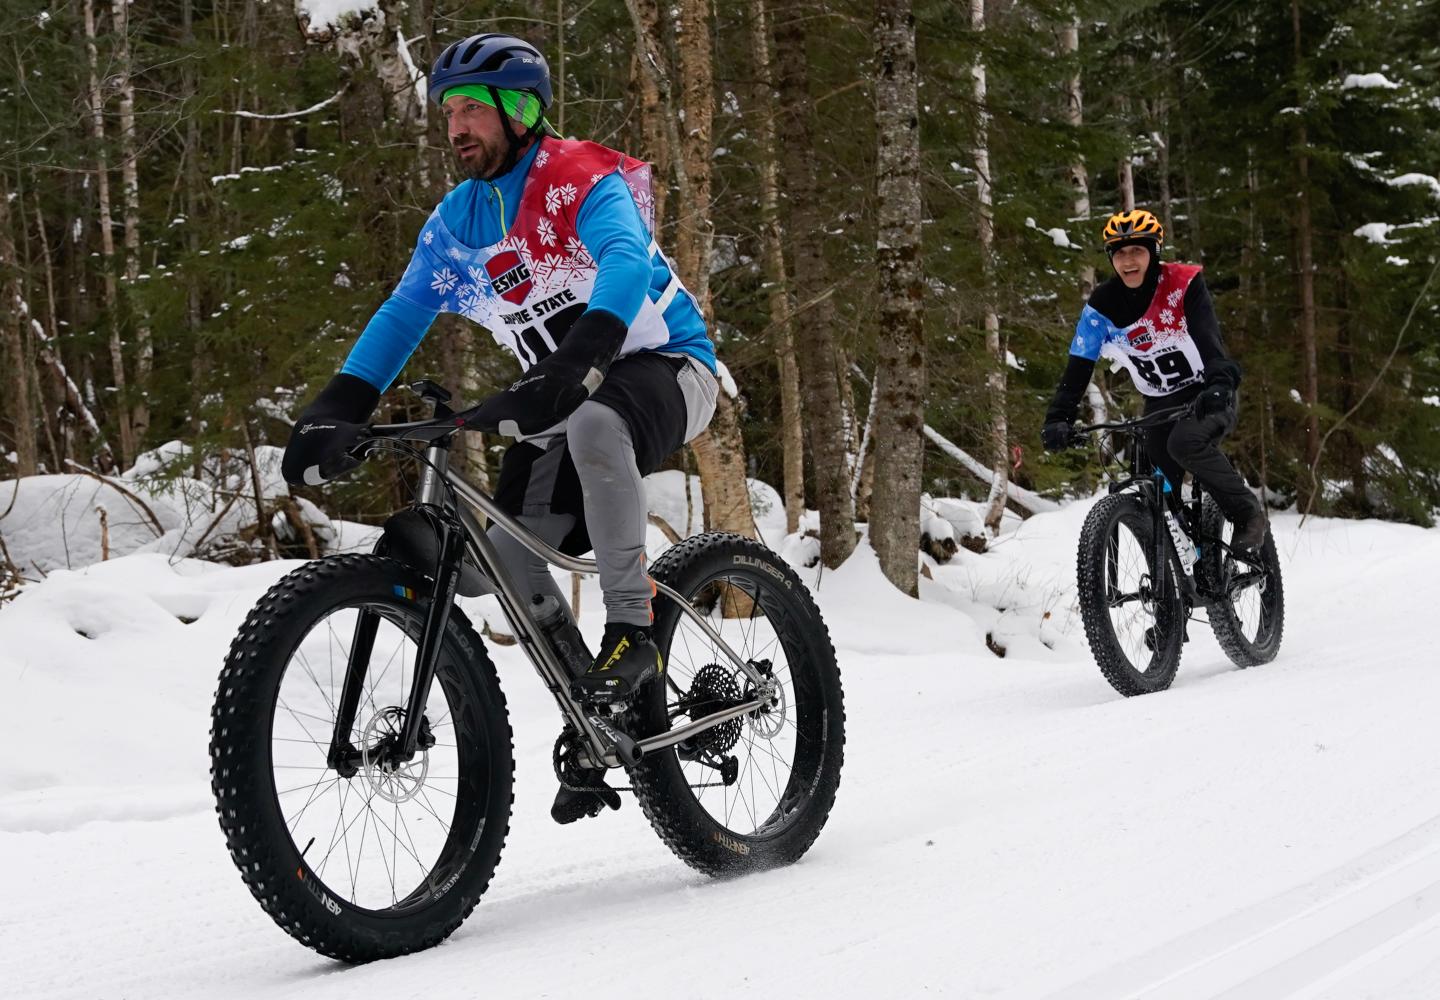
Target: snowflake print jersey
pixel 1157 349
pixel 529 287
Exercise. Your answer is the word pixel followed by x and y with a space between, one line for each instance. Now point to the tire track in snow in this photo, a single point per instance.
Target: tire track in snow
pixel 1300 943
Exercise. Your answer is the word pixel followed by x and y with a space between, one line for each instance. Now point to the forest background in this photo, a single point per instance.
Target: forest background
pixel 890 211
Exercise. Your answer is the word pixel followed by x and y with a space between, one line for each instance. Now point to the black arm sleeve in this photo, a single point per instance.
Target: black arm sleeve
pixel 1205 331
pixel 1072 387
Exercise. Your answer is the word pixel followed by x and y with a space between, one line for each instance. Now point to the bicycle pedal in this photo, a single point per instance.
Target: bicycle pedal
pixel 576 803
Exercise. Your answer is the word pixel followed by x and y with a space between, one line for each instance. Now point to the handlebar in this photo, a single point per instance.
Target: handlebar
pixel 1149 420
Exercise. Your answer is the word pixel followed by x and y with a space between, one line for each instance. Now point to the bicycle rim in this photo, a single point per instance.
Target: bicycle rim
pixel 381 839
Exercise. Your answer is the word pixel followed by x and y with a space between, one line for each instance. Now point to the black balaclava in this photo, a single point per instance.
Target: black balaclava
pixel 1137 300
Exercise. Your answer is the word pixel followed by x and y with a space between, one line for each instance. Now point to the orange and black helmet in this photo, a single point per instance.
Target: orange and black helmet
pixel 1124 227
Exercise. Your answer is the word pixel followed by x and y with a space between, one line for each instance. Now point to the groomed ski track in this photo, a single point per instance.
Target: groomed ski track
pixel 1005 828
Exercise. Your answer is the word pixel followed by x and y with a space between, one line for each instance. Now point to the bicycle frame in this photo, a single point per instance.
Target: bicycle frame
pixel 461 538
pixel 1158 494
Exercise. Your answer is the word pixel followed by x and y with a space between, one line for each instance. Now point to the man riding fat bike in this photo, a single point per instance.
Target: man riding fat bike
pixel 1156 319
pixel 548 244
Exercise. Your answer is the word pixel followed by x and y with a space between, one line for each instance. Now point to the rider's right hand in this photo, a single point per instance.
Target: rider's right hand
pixel 1057 435
pixel 328 428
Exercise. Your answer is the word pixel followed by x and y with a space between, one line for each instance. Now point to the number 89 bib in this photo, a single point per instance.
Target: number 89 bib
pixel 1156 349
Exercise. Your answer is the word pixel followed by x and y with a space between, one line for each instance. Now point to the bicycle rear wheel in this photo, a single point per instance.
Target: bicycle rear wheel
pixel 369 856
pixel 1135 626
pixel 1249 620
pixel 753 792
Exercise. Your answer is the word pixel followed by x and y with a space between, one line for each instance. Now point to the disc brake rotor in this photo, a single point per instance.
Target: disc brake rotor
pixel 768 720
pixel 392 779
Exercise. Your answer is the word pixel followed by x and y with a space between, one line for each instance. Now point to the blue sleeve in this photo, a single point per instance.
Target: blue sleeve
pixel 609 225
pixel 1090 333
pixel 389 339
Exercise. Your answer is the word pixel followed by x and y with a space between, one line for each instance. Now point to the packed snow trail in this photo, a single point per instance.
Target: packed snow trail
pixel 1004 828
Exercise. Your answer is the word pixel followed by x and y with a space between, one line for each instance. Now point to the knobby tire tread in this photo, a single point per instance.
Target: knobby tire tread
pixel 1224 621
pixel 669 804
pixel 233 750
pixel 1103 518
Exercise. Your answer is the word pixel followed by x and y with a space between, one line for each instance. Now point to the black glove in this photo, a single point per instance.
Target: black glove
pixel 1057 435
pixel 554 387
pixel 327 429
pixel 1217 397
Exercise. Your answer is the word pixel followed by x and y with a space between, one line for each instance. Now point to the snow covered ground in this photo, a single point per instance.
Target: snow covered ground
pixel 1005 827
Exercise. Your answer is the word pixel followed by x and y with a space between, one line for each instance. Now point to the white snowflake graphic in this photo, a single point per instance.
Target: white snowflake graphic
pixel 1094 322
pixel 552 263
pixel 542 158
pixel 519 245
pixel 546 229
pixel 595 177
pixel 1174 298
pixel 473 305
pixel 555 197
pixel 444 280
pixel 455 253
pixel 429 237
pixel 577 252
pixel 1167 317
pixel 478 276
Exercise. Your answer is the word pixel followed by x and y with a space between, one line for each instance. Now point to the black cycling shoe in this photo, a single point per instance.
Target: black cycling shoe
pixel 583 791
pixel 1250 533
pixel 1150 636
pixel 628 658
pixel 587 796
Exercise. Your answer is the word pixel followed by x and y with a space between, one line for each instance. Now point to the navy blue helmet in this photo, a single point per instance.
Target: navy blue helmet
pixel 491 60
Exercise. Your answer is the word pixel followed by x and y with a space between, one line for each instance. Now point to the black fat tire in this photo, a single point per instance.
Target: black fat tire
pixel 242 778
pixel 1101 526
pixel 1224 621
pixel 664 794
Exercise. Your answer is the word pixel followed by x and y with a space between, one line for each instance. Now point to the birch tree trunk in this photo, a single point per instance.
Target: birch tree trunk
pixel 772 247
pixel 1074 110
pixel 994 345
pixel 107 238
pixel 1304 236
pixel 1075 118
pixel 130 194
pixel 14 320
pixel 898 401
pixel 815 316
pixel 1125 171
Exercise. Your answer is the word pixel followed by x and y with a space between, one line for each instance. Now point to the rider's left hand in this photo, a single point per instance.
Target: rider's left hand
pixel 535 401
pixel 1218 397
pixel 557 384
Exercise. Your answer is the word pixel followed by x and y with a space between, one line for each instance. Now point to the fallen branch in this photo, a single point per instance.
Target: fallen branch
pixel 1018 495
pixel 135 500
pixel 670 533
pixel 288 114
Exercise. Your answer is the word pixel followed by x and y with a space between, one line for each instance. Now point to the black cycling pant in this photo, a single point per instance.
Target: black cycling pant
pixel 1192 444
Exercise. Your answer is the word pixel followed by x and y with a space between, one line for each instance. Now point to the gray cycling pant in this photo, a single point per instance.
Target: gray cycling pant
pixel 599 442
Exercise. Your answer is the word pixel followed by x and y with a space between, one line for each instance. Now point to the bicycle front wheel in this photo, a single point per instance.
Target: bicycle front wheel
pixel 1134 624
pixel 363 854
